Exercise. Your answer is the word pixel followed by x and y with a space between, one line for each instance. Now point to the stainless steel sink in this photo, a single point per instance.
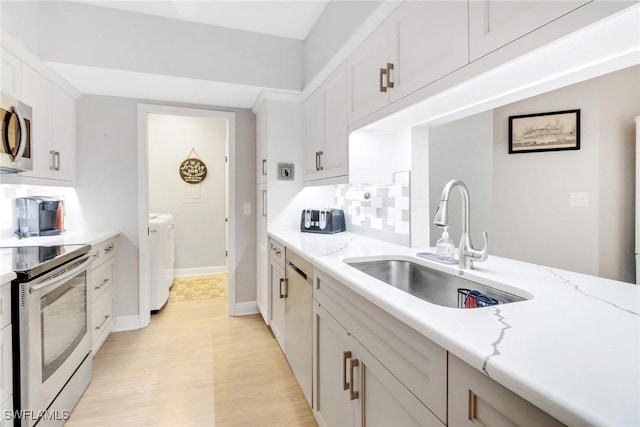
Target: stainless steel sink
pixel 432 285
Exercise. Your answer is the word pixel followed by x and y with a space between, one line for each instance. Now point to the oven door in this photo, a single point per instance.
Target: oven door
pixel 57 338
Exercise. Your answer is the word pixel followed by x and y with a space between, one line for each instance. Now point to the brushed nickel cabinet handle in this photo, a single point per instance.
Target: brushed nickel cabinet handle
pixel 346 355
pixel 264 167
pixel 280 288
pixel 103 322
pixel 354 394
pixel 317 160
pixel 52 164
pixel 108 248
pixel 104 282
pixel 383 73
pixel 390 84
pixel 320 153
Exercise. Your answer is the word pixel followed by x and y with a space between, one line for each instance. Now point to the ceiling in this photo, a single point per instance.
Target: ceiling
pixel 286 18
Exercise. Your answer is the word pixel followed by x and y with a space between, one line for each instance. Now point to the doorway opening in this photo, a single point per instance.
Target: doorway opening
pixel 201 203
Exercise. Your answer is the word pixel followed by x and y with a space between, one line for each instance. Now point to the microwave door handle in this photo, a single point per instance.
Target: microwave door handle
pixel 23 134
pixel 60 279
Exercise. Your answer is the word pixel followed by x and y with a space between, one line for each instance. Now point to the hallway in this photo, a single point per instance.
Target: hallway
pixel 193 366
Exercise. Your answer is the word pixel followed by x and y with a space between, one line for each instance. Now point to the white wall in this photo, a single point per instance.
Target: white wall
pixel 82 34
pixel 532 219
pixel 198 209
pixel 334 27
pixel 462 150
pixel 107 187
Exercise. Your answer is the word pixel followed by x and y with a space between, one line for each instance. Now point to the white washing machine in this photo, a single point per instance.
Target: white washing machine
pixel 161 258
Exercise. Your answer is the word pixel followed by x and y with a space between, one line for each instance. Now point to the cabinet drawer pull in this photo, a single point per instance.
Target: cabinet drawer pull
pixel 317 160
pixel 104 282
pixel 354 394
pixel 320 167
pixel 109 248
pixel 283 281
pixel 346 355
pixel 390 84
pixel 103 322
pixel 383 72
pixel 264 167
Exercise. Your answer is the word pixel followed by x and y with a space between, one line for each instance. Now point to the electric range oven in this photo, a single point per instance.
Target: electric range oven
pixel 51 336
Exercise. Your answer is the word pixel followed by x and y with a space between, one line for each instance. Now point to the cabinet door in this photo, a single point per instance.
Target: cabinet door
pixel 261 146
pixel 335 157
pixel 332 405
pixel 278 295
pixel 298 327
pixel 475 399
pixel 366 84
pixel 37 94
pixel 314 137
pixel 494 23
pixel 263 295
pixel 63 134
pixel 10 73
pixel 428 41
pixel 383 400
pixel 6 374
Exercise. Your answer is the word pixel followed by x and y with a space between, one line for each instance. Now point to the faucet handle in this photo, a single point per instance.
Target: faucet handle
pixel 483 254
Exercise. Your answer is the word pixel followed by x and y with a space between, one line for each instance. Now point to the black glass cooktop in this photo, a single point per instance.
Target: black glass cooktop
pixel 30 261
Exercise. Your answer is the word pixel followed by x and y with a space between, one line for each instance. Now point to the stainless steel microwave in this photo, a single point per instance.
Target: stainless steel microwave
pixel 16 153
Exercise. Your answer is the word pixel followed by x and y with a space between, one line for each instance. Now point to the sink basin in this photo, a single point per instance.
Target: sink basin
pixel 432 285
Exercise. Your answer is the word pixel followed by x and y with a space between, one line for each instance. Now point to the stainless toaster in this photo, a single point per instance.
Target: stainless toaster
pixel 327 221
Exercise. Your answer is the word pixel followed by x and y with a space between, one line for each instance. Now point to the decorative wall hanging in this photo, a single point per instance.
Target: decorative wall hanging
pixel 192 169
pixel 555 131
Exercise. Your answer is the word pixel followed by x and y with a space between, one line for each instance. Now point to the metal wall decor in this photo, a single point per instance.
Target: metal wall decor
pixel 192 169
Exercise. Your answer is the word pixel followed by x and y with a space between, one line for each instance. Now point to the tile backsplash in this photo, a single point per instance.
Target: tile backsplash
pixel 385 214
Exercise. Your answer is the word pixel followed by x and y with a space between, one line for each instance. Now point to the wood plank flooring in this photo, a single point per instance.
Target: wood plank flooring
pixel 193 366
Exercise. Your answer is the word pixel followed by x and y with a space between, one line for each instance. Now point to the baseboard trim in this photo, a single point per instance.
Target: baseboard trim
pixel 246 308
pixel 126 323
pixel 198 271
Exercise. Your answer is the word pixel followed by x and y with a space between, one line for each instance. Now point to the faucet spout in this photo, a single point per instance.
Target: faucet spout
pixel 467 253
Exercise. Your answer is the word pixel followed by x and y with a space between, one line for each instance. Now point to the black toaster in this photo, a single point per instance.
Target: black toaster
pixel 326 221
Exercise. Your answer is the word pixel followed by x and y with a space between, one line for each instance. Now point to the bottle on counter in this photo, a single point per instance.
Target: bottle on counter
pixel 445 248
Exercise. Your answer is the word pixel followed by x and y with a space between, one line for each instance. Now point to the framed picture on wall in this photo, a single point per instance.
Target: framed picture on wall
pixel 556 131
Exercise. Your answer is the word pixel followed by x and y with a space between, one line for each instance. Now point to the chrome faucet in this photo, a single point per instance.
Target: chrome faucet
pixel 467 253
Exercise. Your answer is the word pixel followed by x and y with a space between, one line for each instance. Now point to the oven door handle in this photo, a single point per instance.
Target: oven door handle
pixel 61 278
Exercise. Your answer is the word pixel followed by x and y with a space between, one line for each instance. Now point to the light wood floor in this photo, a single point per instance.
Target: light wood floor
pixel 193 366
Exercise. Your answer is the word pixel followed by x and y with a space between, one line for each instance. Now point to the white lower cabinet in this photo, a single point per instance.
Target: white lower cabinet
pixel 278 292
pixel 102 289
pixel 369 369
pixel 477 400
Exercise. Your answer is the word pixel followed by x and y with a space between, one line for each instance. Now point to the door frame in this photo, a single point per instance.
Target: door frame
pixel 143 199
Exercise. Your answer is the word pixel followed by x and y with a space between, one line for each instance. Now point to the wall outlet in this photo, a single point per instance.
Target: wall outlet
pixel 578 200
pixel 247 208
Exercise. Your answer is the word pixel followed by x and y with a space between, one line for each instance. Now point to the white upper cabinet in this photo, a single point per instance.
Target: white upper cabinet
pixel 63 135
pixel 53 124
pixel 419 43
pixel 326 134
pixel 10 73
pixel 428 41
pixel 495 23
pixel 261 147
pixel 37 94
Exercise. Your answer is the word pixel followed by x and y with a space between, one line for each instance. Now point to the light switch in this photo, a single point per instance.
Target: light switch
pixel 578 200
pixel 247 208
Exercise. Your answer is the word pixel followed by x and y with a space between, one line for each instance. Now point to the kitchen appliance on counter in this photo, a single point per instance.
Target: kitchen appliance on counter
pixel 39 216
pixel 50 327
pixel 325 221
pixel 15 133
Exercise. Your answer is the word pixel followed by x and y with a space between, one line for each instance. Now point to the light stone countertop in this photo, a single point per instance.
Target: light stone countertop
pixel 69 238
pixel 573 349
